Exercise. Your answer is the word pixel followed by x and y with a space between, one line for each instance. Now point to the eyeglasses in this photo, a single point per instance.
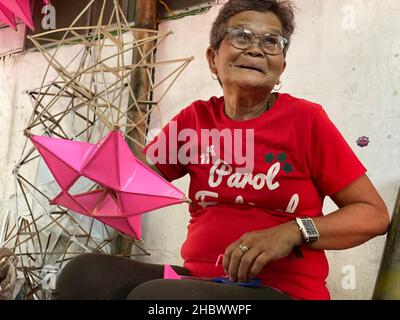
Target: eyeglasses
pixel 242 38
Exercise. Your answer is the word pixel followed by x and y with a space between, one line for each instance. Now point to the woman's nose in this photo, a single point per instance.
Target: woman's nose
pixel 255 49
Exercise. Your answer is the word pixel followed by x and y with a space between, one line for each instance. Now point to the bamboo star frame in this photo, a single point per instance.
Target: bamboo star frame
pixel 85 92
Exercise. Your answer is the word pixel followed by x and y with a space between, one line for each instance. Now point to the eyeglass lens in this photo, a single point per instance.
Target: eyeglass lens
pixel 242 39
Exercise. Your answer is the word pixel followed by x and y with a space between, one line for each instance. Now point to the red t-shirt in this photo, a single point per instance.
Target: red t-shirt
pixel 299 158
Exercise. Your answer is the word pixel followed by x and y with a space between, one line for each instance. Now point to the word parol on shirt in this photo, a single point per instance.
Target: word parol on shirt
pixel 234 179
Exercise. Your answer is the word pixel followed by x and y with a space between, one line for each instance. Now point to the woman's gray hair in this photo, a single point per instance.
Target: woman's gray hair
pixel 284 10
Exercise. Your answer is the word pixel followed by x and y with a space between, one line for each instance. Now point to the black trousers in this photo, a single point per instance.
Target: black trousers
pixel 96 276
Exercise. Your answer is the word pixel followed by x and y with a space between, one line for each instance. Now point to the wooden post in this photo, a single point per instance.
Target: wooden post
pixel 145 18
pixel 387 286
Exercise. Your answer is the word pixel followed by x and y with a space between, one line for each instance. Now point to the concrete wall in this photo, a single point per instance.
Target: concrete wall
pixel 345 55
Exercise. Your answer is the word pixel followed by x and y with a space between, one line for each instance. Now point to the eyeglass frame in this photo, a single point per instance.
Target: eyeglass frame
pixel 281 38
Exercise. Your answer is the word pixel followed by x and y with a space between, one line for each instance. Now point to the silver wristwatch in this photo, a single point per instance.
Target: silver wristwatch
pixel 308 229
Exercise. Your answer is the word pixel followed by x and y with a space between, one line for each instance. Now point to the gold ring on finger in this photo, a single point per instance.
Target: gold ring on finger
pixel 243 248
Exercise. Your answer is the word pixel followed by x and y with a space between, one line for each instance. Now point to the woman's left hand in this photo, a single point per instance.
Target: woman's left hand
pixel 262 247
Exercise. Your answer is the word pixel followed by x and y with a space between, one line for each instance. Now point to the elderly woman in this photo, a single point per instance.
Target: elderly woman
pixel 263 214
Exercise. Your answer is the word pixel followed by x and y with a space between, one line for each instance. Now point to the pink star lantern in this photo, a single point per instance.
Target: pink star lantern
pixel 9 9
pixel 127 187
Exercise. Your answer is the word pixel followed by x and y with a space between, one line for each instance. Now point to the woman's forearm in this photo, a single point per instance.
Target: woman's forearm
pixel 350 226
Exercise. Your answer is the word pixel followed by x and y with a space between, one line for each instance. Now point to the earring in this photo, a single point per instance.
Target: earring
pixel 279 83
pixel 214 76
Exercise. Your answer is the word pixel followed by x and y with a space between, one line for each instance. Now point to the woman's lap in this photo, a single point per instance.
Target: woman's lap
pixel 162 289
pixel 98 276
pixel 106 277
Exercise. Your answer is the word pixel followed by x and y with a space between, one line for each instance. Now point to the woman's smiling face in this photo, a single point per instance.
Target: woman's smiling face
pixel 249 69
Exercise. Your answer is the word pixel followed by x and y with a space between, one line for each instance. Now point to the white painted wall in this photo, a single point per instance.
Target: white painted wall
pixel 345 55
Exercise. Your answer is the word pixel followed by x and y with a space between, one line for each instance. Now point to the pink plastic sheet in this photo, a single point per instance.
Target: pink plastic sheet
pixel 169 273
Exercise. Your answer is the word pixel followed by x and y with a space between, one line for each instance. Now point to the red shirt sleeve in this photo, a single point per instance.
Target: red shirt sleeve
pixel 163 150
pixel 333 163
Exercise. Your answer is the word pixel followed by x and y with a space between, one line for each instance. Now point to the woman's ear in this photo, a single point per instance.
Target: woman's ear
pixel 283 68
pixel 211 54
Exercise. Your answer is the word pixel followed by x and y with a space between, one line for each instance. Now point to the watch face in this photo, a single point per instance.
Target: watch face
pixel 310 227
